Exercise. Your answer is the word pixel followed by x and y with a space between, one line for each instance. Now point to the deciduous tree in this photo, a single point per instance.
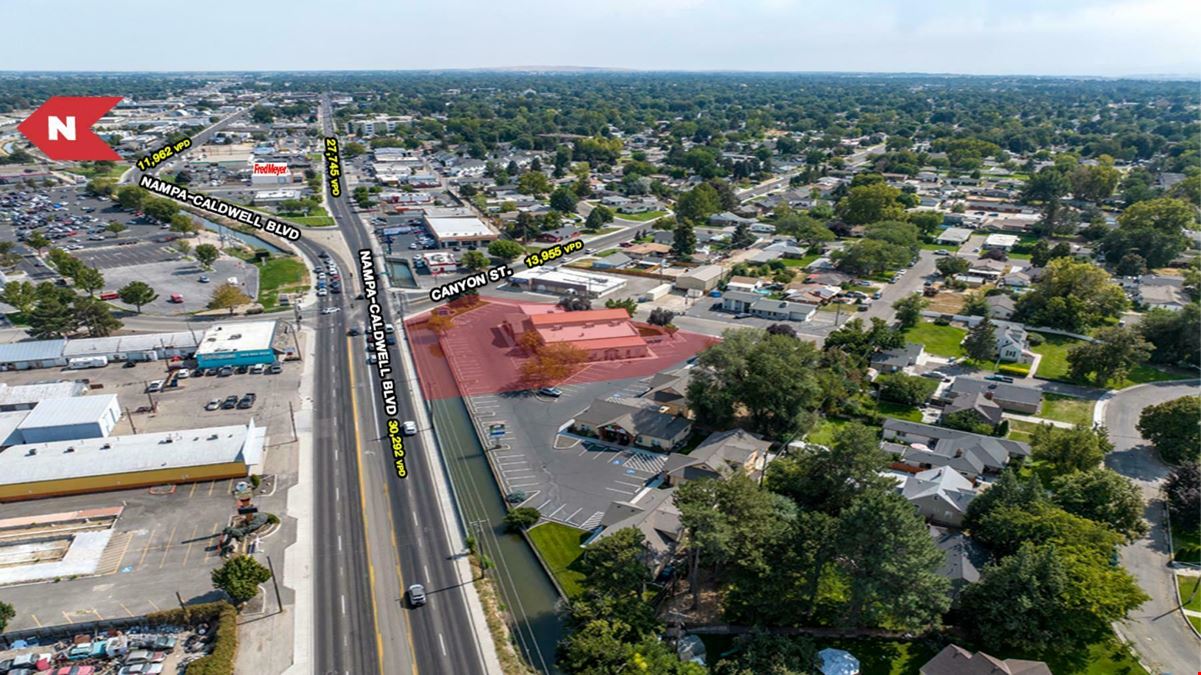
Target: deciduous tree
pixel 240 577
pixel 1174 428
pixel 1104 496
pixel 1067 450
pixel 228 296
pixel 137 293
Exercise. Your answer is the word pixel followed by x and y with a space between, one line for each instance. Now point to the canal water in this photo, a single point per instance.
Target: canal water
pixel 527 592
pixel 248 239
pixel 400 274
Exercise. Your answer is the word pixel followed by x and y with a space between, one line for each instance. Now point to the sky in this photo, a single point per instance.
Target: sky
pixel 1002 37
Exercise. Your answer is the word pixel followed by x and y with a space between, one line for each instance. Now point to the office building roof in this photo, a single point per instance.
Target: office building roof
pixel 237 337
pixel 37 462
pixel 457 228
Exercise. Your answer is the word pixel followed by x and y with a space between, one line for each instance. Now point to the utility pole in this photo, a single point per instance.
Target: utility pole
pixel 275 582
pixel 292 416
pixel 130 417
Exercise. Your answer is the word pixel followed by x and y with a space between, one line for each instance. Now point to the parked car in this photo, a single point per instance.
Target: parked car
pixel 154 386
pixel 225 371
pixel 553 392
pixel 230 402
pixel 257 368
pixel 183 373
pixel 213 404
pixel 247 401
pixel 204 279
pixel 1000 378
pixel 144 656
pixel 275 369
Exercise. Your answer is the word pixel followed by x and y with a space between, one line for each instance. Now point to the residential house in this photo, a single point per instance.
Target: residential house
pixel 721 455
pixel 782 310
pixel 985 409
pixel 814 294
pixel 941 494
pixel 1000 306
pixel 559 234
pixel 986 268
pixel 1154 291
pixel 955 660
pixel 644 251
pixel 726 218
pixel 917 447
pixel 739 302
pixel 669 390
pixel 962 557
pixel 1010 397
pixel 654 514
pixel 954 236
pixel 1001 242
pixel 1013 342
pixel 894 360
pixel 740 283
pixel 1020 279
pixel 786 249
pixel 831 278
pixel 612 261
pixel 633 421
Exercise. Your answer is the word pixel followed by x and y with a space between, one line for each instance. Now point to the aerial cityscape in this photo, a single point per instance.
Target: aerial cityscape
pixel 759 359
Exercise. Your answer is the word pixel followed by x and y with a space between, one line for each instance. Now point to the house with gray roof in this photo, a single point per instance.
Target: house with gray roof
pixel 963 557
pixel 1000 306
pixel 895 360
pixel 654 514
pixel 1009 397
pixel 940 495
pixel 782 310
pixel 669 390
pixel 722 454
pixel 739 302
pixel 917 446
pixel 612 261
pixel 633 421
pixel 984 409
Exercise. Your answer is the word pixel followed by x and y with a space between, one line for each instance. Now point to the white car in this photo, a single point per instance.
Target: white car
pixel 330 310
pixel 155 385
pixel 410 428
pixel 213 404
pixel 321 292
pixel 183 374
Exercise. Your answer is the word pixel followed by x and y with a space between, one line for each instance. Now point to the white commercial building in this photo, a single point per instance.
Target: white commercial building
pixel 237 344
pixel 68 419
pixel 460 230
pixel 563 281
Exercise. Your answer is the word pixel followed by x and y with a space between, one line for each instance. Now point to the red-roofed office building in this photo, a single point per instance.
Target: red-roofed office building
pixel 605 334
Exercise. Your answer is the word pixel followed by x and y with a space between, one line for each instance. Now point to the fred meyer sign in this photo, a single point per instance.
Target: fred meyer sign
pixel 270 168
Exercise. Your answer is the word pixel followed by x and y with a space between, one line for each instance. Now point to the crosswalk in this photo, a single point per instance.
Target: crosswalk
pixel 650 462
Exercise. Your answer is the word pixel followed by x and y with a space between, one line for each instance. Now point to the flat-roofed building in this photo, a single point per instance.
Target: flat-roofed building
pixel 566 282
pixel 704 278
pixel 26 396
pixel 36 470
pixel 460 230
pixel 36 354
pixel 66 419
pixel 237 344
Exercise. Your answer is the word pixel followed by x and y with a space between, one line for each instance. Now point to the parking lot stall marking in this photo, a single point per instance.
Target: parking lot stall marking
pixel 191 541
pixel 167 547
pixel 146 548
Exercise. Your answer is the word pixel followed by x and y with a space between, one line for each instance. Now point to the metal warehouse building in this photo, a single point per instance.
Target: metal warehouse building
pixel 237 344
pixel 38 354
pixel 37 470
pixel 67 419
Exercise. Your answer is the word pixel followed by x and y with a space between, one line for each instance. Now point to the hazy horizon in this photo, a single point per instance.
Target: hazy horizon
pixel 1071 38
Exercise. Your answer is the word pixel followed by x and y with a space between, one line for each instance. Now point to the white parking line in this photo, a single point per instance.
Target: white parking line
pixel 552 513
pixel 622 482
pixel 624 492
pixel 568 518
pixel 522 485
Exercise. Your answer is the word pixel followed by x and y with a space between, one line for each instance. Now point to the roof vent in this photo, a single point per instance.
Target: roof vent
pixel 32 452
pixel 69 450
pixel 106 446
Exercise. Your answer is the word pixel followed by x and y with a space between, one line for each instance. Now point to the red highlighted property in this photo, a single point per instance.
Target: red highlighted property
pixel 484 349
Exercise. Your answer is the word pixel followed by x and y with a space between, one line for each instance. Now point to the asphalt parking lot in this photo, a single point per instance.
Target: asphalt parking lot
pixel 165 541
pixel 568 481
pixel 167 274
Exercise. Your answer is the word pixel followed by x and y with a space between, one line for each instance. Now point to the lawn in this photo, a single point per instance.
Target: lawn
pixel 639 217
pixel 311 221
pixel 1021 431
pixel 939 340
pixel 1186 545
pixel 1054 350
pixel 899 411
pixel 1068 409
pixel 90 171
pixel 1190 591
pixel 800 262
pixel 559 547
pixel 1054 364
pixel 606 253
pixel 826 430
pixel 278 275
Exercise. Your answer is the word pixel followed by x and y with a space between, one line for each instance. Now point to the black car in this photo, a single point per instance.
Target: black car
pixel 230 402
pixel 391 339
pixel 242 370
pixel 354 332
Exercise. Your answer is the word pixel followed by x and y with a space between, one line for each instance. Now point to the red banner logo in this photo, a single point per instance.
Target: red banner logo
pixel 62 128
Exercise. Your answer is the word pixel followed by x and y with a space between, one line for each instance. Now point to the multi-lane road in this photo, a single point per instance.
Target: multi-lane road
pixel 401 534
